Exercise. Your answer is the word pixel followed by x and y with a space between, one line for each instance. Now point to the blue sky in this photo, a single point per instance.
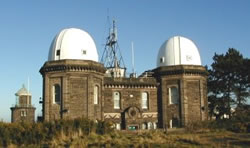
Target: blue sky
pixel 27 28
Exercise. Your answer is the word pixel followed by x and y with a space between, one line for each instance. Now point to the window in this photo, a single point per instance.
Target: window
pixel 84 52
pixel 144 125
pixel 57 52
pixel 173 95
pixel 117 99
pixel 56 94
pixel 162 59
pixel 170 124
pixel 118 126
pixel 23 113
pixel 96 94
pixel 150 125
pixel 155 125
pixel 144 97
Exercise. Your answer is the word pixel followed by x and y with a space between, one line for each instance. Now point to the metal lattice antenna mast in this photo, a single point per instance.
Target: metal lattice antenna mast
pixel 112 57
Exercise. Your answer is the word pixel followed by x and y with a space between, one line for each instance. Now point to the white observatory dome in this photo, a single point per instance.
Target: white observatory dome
pixel 73 43
pixel 178 51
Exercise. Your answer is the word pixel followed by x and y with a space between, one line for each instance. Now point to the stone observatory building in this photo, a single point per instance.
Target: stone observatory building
pixel 76 84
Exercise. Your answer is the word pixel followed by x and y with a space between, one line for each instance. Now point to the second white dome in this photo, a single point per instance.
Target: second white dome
pixel 73 43
pixel 178 51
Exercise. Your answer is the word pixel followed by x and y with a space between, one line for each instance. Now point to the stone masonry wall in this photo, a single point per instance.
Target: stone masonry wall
pixel 76 80
pixel 17 117
pixel 131 100
pixel 191 83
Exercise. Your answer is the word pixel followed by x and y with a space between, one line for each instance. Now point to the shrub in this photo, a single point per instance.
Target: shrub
pixel 104 127
pixel 38 133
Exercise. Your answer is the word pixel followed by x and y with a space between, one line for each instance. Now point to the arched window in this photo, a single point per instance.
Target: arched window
pixel 173 95
pixel 155 125
pixel 23 113
pixel 57 94
pixel 144 98
pixel 118 126
pixel 144 126
pixel 162 60
pixel 117 98
pixel 150 125
pixel 170 124
pixel 96 94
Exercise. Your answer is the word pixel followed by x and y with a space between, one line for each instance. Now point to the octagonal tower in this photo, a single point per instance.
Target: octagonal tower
pixel 72 78
pixel 182 93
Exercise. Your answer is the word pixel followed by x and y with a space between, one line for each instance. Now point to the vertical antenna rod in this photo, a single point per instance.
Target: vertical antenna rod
pixel 28 84
pixel 133 58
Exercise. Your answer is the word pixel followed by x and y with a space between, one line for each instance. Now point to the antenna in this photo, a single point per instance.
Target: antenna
pixel 112 57
pixel 28 84
pixel 133 74
pixel 133 58
pixel 108 14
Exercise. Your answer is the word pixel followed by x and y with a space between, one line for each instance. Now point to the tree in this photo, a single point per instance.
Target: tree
pixel 228 82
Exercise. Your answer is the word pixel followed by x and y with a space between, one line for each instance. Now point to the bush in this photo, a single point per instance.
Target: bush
pixel 40 133
pixel 104 127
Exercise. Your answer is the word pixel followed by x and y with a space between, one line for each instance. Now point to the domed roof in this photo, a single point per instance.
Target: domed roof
pixel 73 43
pixel 23 92
pixel 178 51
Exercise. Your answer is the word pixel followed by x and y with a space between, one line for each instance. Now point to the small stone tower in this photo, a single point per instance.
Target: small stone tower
pixel 23 110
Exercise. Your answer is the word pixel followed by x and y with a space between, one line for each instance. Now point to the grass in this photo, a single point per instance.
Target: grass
pixel 159 139
pixel 149 139
pixel 85 133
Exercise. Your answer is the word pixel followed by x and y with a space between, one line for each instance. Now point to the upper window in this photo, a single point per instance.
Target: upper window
pixel 117 99
pixel 23 113
pixel 173 95
pixel 57 94
pixel 84 52
pixel 96 94
pixel 57 52
pixel 162 60
pixel 144 97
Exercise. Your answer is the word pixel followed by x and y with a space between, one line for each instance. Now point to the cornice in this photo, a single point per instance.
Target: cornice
pixel 180 70
pixel 72 66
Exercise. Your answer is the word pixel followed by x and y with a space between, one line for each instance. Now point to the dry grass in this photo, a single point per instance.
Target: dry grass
pixel 192 136
pixel 148 139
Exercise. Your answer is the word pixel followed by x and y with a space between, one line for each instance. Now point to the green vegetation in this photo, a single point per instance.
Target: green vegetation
pixel 228 83
pixel 23 133
pixel 86 133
